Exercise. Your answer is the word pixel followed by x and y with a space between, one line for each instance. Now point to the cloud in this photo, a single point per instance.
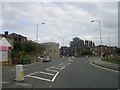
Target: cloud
pixel 62 19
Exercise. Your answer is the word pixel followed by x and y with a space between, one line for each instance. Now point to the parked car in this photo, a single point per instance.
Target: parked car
pixel 46 59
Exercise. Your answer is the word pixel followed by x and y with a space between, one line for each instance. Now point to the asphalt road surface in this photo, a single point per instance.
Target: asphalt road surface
pixel 61 73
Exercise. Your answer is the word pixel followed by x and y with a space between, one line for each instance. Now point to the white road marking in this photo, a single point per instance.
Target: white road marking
pixel 5 82
pixel 56 68
pixel 39 78
pixel 62 67
pixel 51 70
pixel 31 74
pixel 47 73
pixel 61 64
pixel 67 63
pixel 55 76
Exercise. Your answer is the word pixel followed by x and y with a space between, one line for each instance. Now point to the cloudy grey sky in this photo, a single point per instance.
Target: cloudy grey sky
pixel 62 20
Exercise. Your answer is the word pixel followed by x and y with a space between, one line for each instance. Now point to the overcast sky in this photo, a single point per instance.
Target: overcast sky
pixel 62 20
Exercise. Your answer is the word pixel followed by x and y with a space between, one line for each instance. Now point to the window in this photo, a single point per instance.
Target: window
pixel 54 51
pixel 15 39
pixel 19 39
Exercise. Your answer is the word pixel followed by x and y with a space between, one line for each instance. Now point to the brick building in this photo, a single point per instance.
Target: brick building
pixel 18 37
pixel 52 49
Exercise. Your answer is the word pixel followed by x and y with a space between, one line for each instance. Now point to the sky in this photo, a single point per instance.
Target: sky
pixel 63 21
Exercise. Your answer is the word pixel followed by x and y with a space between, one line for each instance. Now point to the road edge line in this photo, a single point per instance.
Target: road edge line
pixel 55 76
pixel 106 68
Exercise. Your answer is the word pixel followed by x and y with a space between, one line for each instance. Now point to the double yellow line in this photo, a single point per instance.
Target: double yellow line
pixel 104 67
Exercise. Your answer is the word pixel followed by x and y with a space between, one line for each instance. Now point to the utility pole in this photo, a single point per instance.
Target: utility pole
pixel 109 46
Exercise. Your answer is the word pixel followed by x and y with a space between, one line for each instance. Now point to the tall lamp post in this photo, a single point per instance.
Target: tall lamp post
pixel 37 40
pixel 100 34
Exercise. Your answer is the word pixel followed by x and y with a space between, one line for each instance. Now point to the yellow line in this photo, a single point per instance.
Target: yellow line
pixel 104 67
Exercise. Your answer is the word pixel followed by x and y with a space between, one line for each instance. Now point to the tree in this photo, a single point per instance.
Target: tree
pixel 118 51
pixel 22 49
pixel 75 44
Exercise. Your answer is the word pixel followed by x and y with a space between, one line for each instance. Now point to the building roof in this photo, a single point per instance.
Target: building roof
pixel 4 42
pixel 17 35
pixel 50 43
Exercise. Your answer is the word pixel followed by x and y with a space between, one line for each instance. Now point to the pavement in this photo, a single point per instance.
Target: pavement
pixel 108 65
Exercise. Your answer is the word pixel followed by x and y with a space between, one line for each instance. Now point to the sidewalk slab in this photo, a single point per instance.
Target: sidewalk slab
pixel 99 62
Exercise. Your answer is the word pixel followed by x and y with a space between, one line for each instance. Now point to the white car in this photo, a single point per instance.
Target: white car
pixel 46 59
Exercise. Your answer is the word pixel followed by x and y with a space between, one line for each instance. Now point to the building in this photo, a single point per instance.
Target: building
pixel 12 38
pixel 64 51
pixel 52 49
pixel 89 43
pixel 105 49
pixel 18 37
pixel 9 38
pixel 4 50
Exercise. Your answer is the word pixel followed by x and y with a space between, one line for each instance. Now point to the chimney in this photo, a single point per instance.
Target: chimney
pixel 6 32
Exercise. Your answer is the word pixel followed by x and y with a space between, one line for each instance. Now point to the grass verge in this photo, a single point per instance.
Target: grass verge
pixel 114 60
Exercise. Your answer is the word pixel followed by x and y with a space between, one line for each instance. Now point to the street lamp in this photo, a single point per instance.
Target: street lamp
pixel 37 40
pixel 100 33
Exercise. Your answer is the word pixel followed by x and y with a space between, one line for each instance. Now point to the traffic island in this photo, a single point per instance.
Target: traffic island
pixel 106 65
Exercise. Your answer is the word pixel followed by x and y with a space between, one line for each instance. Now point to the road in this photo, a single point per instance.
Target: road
pixel 61 74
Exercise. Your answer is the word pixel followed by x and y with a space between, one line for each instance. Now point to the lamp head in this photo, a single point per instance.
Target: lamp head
pixel 92 21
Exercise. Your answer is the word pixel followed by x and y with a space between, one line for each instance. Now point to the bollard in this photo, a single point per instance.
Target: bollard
pixel 69 59
pixel 19 73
